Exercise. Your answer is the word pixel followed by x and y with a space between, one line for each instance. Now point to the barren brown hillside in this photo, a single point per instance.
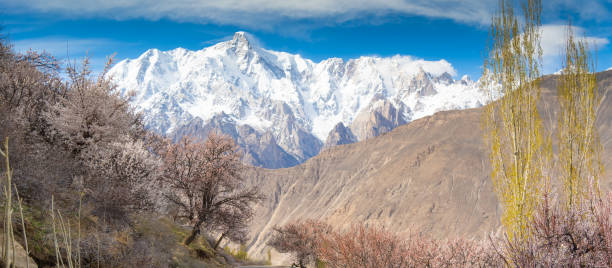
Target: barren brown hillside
pixel 431 176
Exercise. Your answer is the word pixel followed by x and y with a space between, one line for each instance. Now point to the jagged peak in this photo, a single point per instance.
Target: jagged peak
pixel 422 74
pixel 150 52
pixel 243 40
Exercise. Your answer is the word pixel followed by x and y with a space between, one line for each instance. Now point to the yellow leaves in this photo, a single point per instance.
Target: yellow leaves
pixel 512 125
pixel 579 147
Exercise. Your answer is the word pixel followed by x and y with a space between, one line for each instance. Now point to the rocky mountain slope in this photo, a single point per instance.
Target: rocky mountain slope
pixel 281 108
pixel 430 175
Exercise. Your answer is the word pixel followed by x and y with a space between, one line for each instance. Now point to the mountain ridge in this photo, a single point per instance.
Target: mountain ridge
pixel 430 176
pixel 295 100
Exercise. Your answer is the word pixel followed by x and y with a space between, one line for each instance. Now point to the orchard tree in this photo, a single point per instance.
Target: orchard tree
pixel 512 125
pixel 125 172
pixel 98 130
pixel 204 180
pixel 233 225
pixel 301 239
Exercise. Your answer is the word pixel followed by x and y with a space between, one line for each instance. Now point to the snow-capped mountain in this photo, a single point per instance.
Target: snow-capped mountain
pixel 281 108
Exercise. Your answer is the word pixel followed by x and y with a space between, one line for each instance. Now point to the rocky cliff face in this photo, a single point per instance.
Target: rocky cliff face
pixel 428 176
pixel 242 88
pixel 380 117
pixel 339 135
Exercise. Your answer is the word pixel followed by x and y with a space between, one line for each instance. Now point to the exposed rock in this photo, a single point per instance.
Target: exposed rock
pixel 381 117
pixel 339 135
pixel 259 149
pixel 290 134
pixel 422 83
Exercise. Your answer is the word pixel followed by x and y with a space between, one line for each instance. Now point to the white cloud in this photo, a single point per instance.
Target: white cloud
pixel 553 44
pixel 554 36
pixel 239 12
pixel 270 14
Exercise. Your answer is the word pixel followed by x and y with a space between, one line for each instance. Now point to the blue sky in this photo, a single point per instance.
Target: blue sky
pixel 317 29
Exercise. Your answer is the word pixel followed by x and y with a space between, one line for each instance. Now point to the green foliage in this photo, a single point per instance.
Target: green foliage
pixel 239 254
pixel 242 253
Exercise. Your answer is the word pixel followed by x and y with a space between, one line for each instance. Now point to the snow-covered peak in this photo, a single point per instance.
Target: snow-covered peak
pixel 242 41
pixel 291 98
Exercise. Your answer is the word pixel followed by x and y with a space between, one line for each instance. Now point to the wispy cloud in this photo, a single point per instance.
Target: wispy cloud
pixel 217 40
pixel 554 36
pixel 261 11
pixel 265 13
pixel 553 44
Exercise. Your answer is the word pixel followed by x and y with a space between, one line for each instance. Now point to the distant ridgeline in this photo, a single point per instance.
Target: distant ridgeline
pixel 281 108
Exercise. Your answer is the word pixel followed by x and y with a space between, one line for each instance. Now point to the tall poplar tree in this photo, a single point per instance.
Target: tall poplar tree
pixel 579 99
pixel 512 125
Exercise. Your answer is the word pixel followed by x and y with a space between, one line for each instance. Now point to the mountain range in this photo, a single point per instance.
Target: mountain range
pixel 430 176
pixel 281 108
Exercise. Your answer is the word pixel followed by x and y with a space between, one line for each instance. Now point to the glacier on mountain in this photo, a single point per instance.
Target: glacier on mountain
pixel 280 106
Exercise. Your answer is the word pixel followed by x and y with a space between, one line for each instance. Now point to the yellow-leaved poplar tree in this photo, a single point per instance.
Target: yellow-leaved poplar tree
pixel 579 148
pixel 512 126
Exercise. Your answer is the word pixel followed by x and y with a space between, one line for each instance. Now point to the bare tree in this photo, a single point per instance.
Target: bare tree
pixel 205 182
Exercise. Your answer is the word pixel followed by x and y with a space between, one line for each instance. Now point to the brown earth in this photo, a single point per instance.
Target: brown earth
pixel 429 176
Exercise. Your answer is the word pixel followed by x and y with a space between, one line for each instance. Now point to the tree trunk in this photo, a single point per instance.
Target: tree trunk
pixel 194 233
pixel 219 241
